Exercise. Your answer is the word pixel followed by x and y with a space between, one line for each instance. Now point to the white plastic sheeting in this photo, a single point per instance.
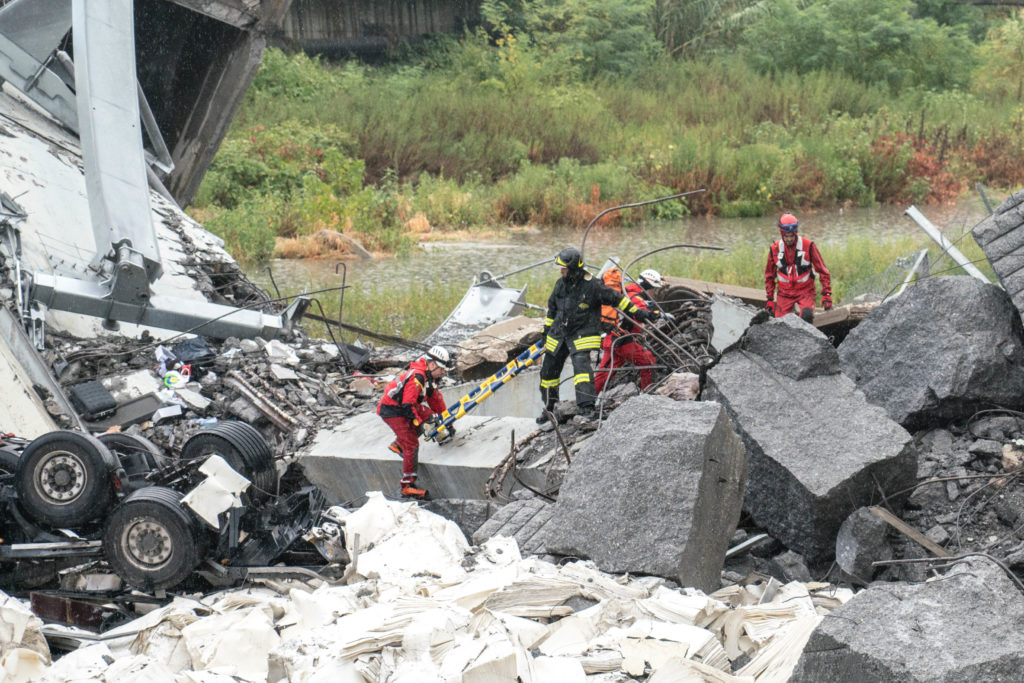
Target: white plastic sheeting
pixel 422 606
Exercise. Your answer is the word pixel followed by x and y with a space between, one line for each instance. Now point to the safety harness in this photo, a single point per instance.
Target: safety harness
pixel 802 265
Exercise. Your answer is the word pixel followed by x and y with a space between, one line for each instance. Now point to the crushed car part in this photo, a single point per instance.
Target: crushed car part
pixel 139 457
pixel 66 479
pixel 151 541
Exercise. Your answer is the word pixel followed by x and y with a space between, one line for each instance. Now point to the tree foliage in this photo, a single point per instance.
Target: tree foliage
pixel 1001 69
pixel 580 38
pixel 876 41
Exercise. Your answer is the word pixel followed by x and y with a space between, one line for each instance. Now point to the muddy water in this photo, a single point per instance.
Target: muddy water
pixel 457 262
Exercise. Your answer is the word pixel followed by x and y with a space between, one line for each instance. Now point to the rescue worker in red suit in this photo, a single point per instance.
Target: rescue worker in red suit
pixel 403 411
pixel 622 345
pixel 793 262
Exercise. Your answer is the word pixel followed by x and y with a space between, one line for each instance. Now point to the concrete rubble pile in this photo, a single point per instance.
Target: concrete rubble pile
pixel 421 604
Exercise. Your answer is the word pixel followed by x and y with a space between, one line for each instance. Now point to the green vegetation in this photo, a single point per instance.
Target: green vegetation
pixel 553 111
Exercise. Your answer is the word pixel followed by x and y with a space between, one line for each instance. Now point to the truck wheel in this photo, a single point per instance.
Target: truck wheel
pixel 243 447
pixel 151 541
pixel 9 459
pixel 64 479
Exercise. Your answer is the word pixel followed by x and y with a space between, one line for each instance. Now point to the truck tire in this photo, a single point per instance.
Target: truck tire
pixel 151 541
pixel 9 459
pixel 64 479
pixel 243 447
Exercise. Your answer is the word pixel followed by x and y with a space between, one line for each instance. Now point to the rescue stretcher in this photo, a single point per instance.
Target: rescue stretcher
pixel 440 432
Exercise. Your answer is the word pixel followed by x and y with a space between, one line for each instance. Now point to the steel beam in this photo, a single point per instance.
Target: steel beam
pixel 111 136
pixel 164 312
pixel 946 245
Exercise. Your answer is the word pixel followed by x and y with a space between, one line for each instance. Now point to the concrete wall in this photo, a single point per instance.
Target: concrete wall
pixel 369 27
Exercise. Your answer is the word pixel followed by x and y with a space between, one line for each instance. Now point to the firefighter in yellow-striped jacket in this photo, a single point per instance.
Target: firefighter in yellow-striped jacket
pixel 573 328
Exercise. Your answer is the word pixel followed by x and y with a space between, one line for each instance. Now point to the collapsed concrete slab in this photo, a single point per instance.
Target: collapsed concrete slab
pixel 656 491
pixel 944 349
pixel 353 458
pixel 818 450
pixel 959 628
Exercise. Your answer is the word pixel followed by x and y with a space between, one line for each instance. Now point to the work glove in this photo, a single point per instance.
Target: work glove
pixel 770 305
pixel 668 316
pixel 826 301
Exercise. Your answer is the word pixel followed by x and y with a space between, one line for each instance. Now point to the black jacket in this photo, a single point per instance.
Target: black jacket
pixel 574 307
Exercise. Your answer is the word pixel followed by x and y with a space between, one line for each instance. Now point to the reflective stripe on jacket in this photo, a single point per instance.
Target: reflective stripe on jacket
pixel 574 308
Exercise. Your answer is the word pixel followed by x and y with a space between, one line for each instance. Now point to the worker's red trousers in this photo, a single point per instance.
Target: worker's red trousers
pixel 409 441
pixel 785 302
pixel 625 351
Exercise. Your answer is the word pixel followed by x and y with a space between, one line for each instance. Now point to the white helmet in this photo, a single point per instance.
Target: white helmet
pixel 651 278
pixel 440 355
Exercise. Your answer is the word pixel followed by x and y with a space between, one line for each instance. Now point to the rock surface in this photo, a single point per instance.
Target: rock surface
pixel 960 628
pixel 656 491
pixel 945 349
pixel 523 520
pixel 1003 244
pixel 818 449
pixel 862 540
pixel 793 347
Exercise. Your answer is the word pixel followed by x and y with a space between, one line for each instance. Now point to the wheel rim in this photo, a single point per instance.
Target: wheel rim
pixel 60 477
pixel 147 543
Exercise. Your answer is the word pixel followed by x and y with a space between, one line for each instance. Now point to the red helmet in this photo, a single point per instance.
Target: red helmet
pixel 788 223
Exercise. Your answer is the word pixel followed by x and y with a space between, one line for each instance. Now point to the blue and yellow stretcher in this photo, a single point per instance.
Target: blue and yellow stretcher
pixel 439 432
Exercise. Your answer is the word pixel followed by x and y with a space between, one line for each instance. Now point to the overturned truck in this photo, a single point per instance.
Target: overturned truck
pixel 214 507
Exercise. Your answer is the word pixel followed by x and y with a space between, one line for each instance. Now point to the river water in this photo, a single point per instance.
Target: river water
pixel 457 262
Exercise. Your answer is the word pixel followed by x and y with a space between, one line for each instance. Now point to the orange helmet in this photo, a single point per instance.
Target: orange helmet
pixel 788 223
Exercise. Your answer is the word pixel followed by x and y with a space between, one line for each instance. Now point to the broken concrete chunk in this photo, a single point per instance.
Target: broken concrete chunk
pixel 494 346
pixel 280 372
pixel 794 347
pixel 468 514
pixel 657 492
pixel 1000 237
pixel 789 566
pixel 193 399
pixel 680 386
pixel 975 352
pixel 883 634
pixel 862 540
pixel 937 534
pixel 523 520
pixel 818 450
pixel 986 448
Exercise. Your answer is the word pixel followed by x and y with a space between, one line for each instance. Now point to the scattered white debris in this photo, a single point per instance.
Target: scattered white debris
pixel 422 605
pixel 219 492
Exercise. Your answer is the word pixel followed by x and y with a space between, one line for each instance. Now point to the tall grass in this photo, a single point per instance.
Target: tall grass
pixel 489 141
